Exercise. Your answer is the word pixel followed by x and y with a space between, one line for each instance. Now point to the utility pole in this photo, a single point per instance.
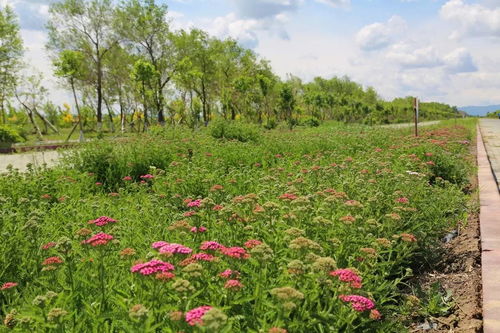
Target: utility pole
pixel 415 110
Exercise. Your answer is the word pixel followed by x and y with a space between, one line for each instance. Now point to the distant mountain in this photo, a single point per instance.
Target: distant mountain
pixel 479 110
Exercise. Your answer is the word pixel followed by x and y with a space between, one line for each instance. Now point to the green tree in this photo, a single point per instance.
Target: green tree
pixel 11 52
pixel 84 26
pixel 144 74
pixel 71 67
pixel 143 25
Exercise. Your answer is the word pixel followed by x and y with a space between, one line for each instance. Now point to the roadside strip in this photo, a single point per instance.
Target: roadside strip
pixel 490 239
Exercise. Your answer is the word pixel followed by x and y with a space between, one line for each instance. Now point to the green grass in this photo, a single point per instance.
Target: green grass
pixel 319 200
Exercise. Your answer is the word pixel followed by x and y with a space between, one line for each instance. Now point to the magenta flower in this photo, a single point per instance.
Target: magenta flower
pixel 8 285
pixel 233 285
pixel 98 184
pixel 127 178
pixel 402 200
pixel 48 245
pixel 175 248
pixel 203 257
pixel 358 303
pixel 151 267
pixel 147 176
pixel 197 230
pixel 52 261
pixel 194 203
pixel 229 273
pixel 210 245
pixel 157 245
pixel 347 275
pixel 250 244
pixel 193 317
pixel 102 221
pixel 235 252
pixel 98 239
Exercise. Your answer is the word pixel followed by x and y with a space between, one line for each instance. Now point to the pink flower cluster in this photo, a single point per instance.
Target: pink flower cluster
pixel 102 221
pixel 147 176
pixel 229 273
pixel 358 303
pixel 288 196
pixel 8 285
pixel 52 261
pixel 235 252
pixel 347 275
pixel 193 317
pixel 48 245
pixel 194 203
pixel 199 229
pixel 233 285
pixel 210 245
pixel 250 244
pixel 159 244
pixel 402 200
pixel 164 247
pixel 98 239
pixel 151 267
pixel 203 257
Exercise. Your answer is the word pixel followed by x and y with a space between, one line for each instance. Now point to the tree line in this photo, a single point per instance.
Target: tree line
pixel 124 65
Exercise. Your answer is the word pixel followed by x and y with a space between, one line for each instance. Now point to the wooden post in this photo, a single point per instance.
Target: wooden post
pixel 415 114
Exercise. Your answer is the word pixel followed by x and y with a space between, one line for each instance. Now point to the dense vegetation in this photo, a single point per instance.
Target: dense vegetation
pixel 311 230
pixel 126 68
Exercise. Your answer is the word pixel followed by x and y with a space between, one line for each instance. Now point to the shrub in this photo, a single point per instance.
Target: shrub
pixel 312 122
pixel 9 135
pixel 232 130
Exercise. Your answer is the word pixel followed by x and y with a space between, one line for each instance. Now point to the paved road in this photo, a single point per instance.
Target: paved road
pixel 19 161
pixel 425 123
pixel 490 128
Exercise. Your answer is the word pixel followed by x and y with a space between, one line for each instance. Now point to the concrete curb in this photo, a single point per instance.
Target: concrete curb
pixel 489 216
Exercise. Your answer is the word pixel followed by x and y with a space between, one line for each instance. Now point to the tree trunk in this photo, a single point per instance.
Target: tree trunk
pixel 99 93
pixel 110 115
pixel 145 107
pixel 122 114
pixel 80 120
pixel 160 102
pixel 46 122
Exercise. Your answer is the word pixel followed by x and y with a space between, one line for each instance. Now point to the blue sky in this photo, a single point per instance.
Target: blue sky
pixel 442 50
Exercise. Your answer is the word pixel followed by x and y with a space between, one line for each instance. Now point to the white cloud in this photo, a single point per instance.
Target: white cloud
pixel 459 61
pixel 380 35
pixel 408 56
pixel 472 19
pixel 336 3
pixel 264 8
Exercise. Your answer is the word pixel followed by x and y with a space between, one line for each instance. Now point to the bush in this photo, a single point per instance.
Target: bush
pixel 9 135
pixel 233 130
pixel 312 122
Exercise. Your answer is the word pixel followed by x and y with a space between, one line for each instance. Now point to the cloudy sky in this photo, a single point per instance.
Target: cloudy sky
pixel 440 50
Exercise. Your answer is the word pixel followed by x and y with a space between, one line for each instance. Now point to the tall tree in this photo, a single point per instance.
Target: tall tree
pixel 196 69
pixel 144 74
pixel 71 66
pixel 11 51
pixel 84 26
pixel 144 27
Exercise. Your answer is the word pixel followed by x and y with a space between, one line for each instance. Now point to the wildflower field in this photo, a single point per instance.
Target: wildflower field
pixel 311 230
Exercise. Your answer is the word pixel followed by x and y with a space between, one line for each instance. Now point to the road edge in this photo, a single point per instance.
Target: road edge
pixel 489 217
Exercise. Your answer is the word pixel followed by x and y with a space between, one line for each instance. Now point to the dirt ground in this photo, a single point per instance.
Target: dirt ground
pixel 459 272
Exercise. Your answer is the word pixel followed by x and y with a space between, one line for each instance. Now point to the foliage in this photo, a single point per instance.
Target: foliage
pixel 223 129
pixel 11 51
pixel 306 217
pixel 9 135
